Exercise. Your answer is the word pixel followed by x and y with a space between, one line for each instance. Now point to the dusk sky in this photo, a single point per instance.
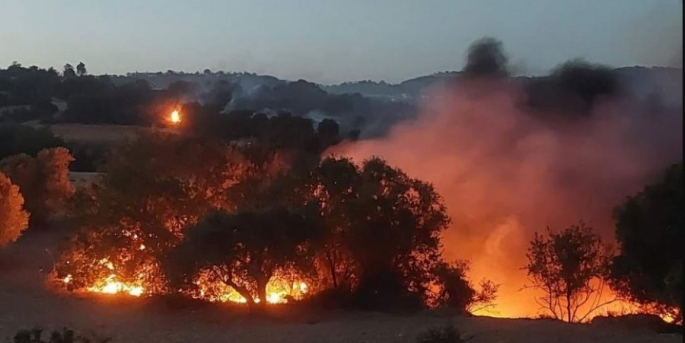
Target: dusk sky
pixel 334 41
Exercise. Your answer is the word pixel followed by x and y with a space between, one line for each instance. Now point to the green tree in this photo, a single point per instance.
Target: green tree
pixel 649 229
pixel 13 218
pixel 245 250
pixel 569 267
pixel 152 189
pixel 384 229
pixel 43 180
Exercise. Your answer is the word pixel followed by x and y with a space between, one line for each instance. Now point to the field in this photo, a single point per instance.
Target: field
pixel 26 302
pixel 100 134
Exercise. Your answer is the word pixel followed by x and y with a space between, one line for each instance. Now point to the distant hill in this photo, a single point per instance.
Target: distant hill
pixel 643 81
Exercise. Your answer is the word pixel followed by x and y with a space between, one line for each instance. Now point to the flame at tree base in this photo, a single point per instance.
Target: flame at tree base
pixel 278 291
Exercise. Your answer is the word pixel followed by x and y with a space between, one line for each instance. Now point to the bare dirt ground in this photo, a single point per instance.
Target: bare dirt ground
pixel 25 303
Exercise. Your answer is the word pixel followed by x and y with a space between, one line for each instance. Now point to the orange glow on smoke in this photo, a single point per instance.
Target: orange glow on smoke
pixel 505 175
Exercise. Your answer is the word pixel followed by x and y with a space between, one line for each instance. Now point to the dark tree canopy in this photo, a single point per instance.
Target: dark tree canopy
pixel 245 250
pixel 24 139
pixel 68 71
pixel 649 229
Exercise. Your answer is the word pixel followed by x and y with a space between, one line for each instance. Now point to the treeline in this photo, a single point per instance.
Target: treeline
pixel 173 210
pixel 242 214
pixel 33 190
pixel 33 93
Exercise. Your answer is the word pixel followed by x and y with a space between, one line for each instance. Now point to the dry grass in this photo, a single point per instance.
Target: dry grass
pixel 25 303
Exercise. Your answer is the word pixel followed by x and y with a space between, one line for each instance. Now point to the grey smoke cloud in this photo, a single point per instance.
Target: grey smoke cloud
pixel 505 173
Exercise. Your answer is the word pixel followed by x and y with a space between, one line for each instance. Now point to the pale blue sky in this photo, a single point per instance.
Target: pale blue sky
pixel 334 40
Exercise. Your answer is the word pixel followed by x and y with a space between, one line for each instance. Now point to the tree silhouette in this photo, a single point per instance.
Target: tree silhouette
pixel 245 250
pixel 570 268
pixel 68 71
pixel 649 229
pixel 81 69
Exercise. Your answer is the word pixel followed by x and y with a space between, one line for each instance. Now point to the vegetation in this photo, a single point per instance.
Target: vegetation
pixel 445 334
pixel 252 199
pixel 649 228
pixel 43 181
pixel 570 268
pixel 245 250
pixel 63 336
pixel 23 139
pixel 457 292
pixel 13 218
pixel 164 215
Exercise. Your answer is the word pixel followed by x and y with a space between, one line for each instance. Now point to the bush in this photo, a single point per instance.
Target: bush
pixel 445 334
pixel 43 181
pixel 23 139
pixel 13 218
pixel 386 291
pixel 64 336
pixel 639 321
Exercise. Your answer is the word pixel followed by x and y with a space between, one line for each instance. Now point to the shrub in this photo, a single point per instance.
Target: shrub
pixel 13 218
pixel 445 334
pixel 63 336
pixel 43 180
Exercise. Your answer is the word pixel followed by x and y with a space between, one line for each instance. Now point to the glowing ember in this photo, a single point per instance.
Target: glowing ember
pixel 175 117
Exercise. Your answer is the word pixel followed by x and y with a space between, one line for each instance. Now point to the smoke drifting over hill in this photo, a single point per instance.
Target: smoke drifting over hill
pixel 507 169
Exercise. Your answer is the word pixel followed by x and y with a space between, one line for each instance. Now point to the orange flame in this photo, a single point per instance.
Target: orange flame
pixel 279 290
pixel 175 117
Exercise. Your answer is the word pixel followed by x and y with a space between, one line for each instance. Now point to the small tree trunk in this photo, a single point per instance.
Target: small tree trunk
pixel 331 267
pixel 261 294
pixel 243 292
pixel 568 306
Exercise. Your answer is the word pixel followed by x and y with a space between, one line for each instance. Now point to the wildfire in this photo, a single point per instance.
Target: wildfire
pixel 175 117
pixel 279 289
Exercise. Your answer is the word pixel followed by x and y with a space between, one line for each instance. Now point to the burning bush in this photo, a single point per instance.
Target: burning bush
pixel 43 181
pixel 152 190
pixel 13 218
pixel 245 224
pixel 244 251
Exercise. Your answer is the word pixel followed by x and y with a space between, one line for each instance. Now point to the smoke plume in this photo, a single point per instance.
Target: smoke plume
pixel 506 172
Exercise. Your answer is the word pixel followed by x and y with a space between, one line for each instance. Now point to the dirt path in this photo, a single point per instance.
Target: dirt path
pixel 24 303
